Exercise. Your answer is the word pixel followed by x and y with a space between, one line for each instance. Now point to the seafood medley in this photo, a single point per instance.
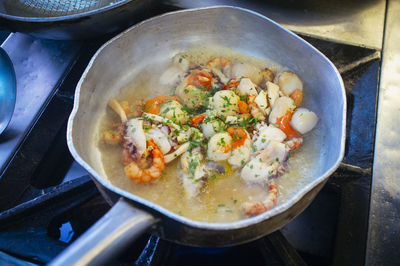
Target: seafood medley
pixel 223 117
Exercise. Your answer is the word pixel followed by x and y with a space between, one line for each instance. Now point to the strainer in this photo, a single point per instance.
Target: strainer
pixel 71 19
pixel 56 8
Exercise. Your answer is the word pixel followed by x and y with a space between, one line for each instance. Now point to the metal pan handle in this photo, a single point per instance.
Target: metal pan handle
pixel 122 224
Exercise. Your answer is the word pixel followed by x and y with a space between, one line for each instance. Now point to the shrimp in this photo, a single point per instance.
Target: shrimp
pixel 200 79
pixel 111 137
pixel 289 82
pixel 243 107
pixel 197 119
pixel 239 136
pixel 297 96
pixel 193 89
pixel 150 174
pixel 294 143
pixel 284 124
pixel 221 67
pixel 281 106
pixel 230 84
pixel 152 106
pixel 114 136
pixel 247 70
pixel 256 208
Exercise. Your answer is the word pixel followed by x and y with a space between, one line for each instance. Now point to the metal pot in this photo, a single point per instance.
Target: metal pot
pixel 158 39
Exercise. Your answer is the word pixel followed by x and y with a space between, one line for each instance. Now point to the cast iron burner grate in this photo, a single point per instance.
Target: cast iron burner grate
pixel 43 213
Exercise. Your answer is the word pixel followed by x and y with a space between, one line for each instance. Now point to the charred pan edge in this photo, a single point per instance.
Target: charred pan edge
pixel 191 223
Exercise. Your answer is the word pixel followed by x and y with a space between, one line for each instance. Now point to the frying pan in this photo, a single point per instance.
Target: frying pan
pixel 70 19
pixel 119 61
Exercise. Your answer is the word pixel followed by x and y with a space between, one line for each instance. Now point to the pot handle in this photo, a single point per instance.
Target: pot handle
pixel 122 224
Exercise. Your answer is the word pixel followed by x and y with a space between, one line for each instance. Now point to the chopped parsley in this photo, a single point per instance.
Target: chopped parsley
pixel 227 100
pixel 192 167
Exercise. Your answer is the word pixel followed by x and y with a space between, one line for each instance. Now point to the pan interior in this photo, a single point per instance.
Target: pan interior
pixel 157 40
pixel 221 198
pixel 53 8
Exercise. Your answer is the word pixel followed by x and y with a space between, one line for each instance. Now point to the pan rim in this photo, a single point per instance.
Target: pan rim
pixel 183 220
pixel 66 17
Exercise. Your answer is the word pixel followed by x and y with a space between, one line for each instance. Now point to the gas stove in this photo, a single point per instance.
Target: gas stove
pixel 47 200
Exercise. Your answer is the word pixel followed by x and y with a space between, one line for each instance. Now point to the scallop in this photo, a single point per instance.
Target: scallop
pixel 303 120
pixel 173 111
pixel 193 97
pixel 225 103
pixel 288 82
pixel 219 147
pixel 211 128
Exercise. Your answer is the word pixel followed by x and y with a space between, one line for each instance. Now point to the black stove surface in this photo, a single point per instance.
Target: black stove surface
pixel 45 209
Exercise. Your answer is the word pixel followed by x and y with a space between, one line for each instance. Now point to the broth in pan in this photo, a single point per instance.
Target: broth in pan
pixel 216 136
